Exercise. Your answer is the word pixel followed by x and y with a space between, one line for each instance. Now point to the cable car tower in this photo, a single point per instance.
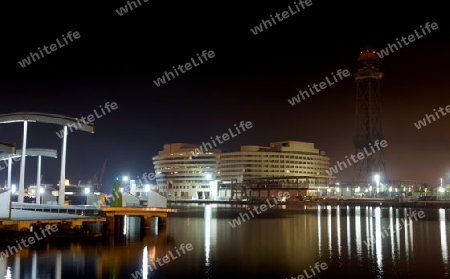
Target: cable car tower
pixel 368 119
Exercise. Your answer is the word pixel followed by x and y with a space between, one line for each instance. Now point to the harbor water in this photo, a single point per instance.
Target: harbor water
pixel 202 241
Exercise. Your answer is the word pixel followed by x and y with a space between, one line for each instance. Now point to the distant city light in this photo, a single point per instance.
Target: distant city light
pixel 377 179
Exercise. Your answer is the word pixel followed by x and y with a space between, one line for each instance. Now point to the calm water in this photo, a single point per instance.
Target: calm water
pixel 278 243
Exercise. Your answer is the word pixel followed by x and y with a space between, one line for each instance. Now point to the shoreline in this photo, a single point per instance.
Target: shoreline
pixel 445 204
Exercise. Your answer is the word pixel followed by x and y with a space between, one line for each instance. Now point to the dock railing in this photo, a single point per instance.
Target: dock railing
pixel 83 210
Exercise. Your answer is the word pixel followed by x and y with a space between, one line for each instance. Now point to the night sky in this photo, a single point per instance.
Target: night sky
pixel 250 78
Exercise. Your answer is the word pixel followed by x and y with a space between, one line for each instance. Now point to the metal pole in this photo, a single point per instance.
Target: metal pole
pixel 9 185
pixel 22 163
pixel 9 172
pixel 62 180
pixel 38 182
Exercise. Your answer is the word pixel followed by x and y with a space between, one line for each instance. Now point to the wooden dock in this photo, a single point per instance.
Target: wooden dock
pixel 26 217
pixel 23 220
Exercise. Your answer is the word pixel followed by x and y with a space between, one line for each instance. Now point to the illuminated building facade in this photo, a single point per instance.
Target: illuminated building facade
pixel 300 161
pixel 182 175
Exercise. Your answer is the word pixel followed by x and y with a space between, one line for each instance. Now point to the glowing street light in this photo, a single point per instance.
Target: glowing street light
pixel 440 189
pixel 377 181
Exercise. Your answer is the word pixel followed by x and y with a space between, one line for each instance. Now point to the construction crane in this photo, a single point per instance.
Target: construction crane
pixel 96 181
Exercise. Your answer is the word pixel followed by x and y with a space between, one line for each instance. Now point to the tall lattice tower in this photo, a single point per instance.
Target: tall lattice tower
pixel 368 119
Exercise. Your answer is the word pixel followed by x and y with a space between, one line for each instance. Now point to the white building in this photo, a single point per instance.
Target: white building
pixel 182 174
pixel 300 161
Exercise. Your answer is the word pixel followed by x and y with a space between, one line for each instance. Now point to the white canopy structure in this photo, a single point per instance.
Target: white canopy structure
pixel 57 119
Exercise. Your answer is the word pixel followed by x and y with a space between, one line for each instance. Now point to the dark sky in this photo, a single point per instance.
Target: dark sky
pixel 250 78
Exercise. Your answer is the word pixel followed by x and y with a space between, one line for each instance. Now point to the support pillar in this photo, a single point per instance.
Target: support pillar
pixel 22 163
pixel 62 180
pixel 146 222
pixel 9 173
pixel 58 264
pixel 162 221
pixel 120 222
pixel 110 225
pixel 38 182
pixel 16 266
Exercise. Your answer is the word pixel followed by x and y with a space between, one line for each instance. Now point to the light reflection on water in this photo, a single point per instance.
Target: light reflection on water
pixel 443 231
pixel 338 230
pixel 355 242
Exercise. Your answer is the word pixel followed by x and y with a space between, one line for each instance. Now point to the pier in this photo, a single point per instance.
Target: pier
pixel 79 219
